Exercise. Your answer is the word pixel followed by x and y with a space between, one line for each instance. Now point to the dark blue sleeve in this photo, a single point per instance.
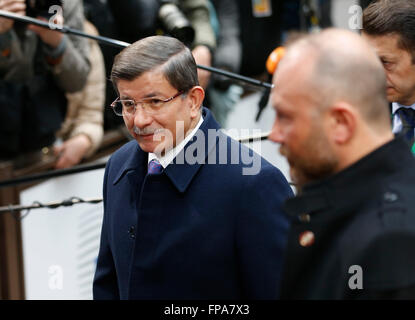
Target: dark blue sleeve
pixel 105 285
pixel 261 234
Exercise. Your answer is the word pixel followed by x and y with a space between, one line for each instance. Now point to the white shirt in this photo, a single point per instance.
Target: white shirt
pixel 397 122
pixel 171 154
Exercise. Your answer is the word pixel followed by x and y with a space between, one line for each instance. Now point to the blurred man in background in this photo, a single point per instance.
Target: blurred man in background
pixel 38 66
pixel 83 129
pixel 389 27
pixel 353 223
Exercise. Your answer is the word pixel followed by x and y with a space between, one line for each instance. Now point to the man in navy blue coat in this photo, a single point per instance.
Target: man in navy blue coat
pixel 189 213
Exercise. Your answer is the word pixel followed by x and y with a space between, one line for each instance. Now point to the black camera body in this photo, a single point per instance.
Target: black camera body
pixel 175 22
pixel 35 8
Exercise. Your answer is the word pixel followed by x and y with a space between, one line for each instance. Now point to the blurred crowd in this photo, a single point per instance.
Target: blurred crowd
pixel 54 90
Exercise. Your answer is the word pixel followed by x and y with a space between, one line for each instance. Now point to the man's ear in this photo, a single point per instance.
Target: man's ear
pixel 196 96
pixel 343 120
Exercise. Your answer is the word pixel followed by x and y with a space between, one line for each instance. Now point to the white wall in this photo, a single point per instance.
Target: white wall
pixel 60 246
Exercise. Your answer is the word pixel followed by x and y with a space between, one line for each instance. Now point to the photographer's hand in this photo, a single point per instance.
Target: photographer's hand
pixel 48 36
pixel 14 6
pixel 72 151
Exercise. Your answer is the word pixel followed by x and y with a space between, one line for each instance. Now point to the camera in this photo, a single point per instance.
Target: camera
pixel 35 8
pixel 175 23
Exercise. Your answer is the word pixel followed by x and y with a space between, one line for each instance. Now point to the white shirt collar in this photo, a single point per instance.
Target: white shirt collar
pixel 396 106
pixel 171 154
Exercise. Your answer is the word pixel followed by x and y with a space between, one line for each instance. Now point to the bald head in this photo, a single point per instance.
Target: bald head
pixel 337 65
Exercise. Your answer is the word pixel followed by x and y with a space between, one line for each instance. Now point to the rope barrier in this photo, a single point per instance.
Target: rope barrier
pixel 15 209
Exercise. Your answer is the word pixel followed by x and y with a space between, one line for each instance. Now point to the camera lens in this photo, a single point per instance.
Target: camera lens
pixel 176 24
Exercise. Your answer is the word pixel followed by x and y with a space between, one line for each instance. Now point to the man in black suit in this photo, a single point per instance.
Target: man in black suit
pixel 353 224
pixel 389 27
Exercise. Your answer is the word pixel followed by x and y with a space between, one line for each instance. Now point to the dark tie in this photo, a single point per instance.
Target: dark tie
pixel 154 167
pixel 407 116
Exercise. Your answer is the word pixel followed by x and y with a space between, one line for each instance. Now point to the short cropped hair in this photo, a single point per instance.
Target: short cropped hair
pixel 336 71
pixel 384 17
pixel 147 54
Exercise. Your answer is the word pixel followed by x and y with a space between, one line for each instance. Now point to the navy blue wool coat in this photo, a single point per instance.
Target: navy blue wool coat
pixel 194 231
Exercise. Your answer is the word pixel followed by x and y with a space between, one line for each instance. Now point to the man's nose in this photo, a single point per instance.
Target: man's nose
pixel 388 78
pixel 141 118
pixel 276 135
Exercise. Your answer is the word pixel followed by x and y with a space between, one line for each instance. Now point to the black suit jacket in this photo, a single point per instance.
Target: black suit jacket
pixel 362 217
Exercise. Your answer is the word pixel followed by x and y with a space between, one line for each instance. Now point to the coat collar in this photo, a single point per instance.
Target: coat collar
pixel 349 186
pixel 134 159
pixel 179 172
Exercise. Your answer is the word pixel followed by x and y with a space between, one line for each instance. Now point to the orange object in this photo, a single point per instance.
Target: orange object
pixel 54 61
pixel 5 52
pixel 274 59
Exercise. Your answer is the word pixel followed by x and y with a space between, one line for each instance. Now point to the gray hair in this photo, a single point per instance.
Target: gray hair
pixel 175 59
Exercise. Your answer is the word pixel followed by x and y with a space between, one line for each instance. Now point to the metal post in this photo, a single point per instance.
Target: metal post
pixel 11 264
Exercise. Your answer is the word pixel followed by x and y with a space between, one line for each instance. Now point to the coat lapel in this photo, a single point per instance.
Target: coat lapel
pixel 182 170
pixel 133 167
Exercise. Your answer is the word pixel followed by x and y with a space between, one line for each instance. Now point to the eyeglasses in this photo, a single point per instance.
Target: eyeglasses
pixel 148 105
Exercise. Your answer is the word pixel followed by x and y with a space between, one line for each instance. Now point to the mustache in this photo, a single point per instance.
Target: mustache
pixel 146 131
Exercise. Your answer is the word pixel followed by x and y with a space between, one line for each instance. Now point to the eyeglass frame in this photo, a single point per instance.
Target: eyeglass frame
pixel 179 93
